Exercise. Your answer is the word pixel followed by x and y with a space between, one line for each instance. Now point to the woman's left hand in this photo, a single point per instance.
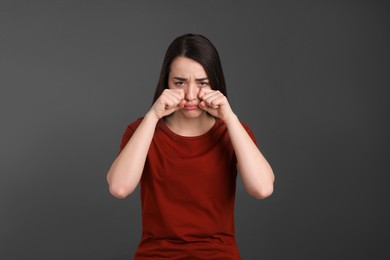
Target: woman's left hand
pixel 216 104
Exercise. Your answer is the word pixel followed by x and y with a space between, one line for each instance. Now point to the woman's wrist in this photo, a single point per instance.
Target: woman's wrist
pixel 150 116
pixel 231 119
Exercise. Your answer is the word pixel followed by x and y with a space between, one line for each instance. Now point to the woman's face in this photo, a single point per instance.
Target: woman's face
pixel 190 76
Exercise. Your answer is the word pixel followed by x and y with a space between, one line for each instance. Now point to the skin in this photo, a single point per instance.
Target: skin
pixel 189 107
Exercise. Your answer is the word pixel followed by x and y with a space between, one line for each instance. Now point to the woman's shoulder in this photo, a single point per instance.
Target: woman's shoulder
pixel 249 131
pixel 245 125
pixel 220 123
pixel 133 125
pixel 130 129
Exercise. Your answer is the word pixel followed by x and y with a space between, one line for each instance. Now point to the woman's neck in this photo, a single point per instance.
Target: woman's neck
pixel 189 126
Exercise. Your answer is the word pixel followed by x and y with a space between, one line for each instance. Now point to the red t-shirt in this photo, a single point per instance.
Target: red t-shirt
pixel 187 195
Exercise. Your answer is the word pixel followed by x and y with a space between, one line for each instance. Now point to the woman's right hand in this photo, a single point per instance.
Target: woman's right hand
pixel 169 101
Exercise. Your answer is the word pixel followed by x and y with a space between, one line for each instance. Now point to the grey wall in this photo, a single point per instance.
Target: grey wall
pixel 311 78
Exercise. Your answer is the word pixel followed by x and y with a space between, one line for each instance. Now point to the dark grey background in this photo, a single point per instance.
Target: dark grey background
pixel 311 79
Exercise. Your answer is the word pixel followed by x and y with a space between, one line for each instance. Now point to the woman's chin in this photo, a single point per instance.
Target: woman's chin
pixel 192 113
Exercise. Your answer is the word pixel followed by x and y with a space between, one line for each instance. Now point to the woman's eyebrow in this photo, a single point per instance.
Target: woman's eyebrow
pixel 180 78
pixel 201 79
pixel 184 79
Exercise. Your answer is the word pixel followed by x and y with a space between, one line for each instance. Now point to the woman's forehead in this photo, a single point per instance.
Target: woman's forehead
pixel 185 67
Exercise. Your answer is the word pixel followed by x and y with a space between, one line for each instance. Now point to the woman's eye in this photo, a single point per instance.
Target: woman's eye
pixel 179 83
pixel 204 83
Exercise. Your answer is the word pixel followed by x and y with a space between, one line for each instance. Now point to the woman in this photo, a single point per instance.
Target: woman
pixel 185 152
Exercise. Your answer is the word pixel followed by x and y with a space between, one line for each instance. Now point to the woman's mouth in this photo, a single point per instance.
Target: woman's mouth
pixel 191 107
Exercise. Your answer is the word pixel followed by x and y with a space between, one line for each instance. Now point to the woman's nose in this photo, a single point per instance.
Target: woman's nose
pixel 192 92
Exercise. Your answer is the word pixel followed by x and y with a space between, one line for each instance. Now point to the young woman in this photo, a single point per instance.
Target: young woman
pixel 186 152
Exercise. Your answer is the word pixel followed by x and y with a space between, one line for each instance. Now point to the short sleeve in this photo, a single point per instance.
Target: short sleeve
pixel 129 133
pixel 249 131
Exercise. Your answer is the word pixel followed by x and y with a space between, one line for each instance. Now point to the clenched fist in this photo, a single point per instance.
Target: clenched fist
pixel 216 104
pixel 169 101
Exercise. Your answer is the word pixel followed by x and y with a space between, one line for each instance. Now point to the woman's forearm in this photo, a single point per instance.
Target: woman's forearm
pixel 255 171
pixel 126 171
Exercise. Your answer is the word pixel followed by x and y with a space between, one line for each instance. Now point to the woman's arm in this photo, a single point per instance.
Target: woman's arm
pixel 125 172
pixel 256 173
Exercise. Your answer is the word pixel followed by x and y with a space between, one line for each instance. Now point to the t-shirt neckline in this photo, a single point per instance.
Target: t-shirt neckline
pixel 167 130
